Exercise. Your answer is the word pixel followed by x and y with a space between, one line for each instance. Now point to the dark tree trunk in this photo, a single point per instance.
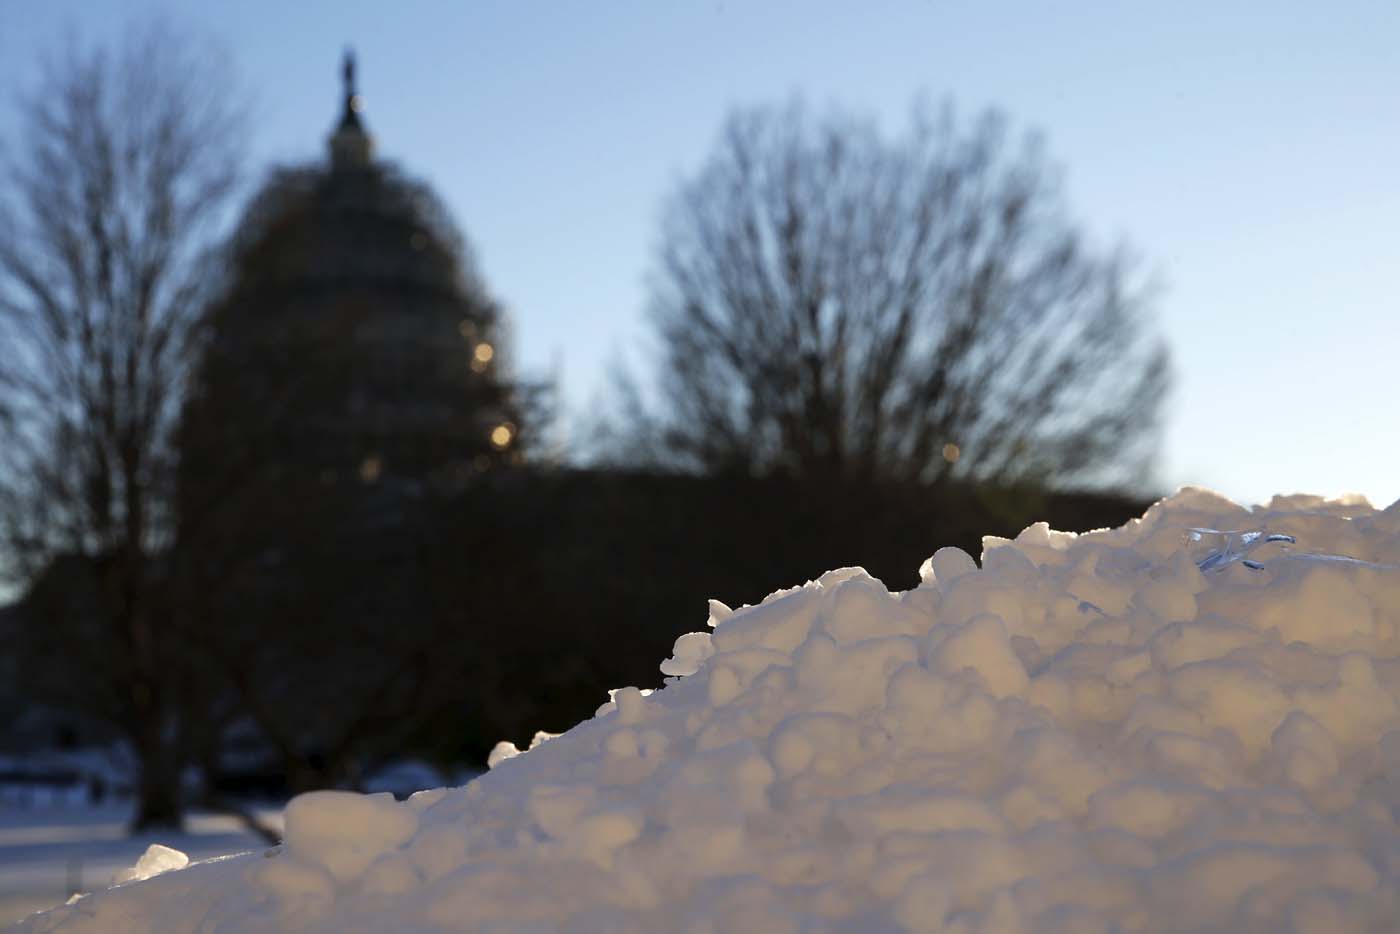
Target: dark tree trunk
pixel 159 804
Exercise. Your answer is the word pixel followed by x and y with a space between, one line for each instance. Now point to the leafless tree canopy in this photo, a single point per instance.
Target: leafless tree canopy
pixel 110 198
pixel 127 160
pixel 833 303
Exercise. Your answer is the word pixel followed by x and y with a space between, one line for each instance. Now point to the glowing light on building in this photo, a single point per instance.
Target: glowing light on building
pixel 501 435
pixel 481 357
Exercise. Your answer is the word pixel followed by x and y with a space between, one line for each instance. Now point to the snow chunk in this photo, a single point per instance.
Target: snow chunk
pixel 947 565
pixel 502 751
pixel 689 654
pixel 982 646
pixel 343 832
pixel 156 860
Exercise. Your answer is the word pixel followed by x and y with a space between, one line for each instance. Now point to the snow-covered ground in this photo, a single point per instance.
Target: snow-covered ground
pixel 51 850
pixel 54 842
pixel 1190 723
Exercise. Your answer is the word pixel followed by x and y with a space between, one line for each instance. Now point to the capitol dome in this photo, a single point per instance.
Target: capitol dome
pixel 353 339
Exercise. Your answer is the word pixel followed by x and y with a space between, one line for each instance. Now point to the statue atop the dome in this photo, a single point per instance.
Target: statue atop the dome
pixel 350 145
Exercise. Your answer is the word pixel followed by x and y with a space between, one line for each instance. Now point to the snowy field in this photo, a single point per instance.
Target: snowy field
pixel 1190 723
pixel 50 850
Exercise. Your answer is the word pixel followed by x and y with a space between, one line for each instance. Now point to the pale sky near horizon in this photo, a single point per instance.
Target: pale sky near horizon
pixel 1248 152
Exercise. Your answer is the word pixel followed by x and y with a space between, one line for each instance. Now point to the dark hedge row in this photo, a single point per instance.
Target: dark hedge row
pixel 576 581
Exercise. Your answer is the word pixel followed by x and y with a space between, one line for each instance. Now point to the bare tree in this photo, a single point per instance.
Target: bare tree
pixel 833 303
pixel 126 166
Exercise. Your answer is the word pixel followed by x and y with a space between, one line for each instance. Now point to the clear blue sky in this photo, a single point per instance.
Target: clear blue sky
pixel 1249 151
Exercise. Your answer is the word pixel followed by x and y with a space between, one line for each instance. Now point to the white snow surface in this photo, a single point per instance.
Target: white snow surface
pixel 1087 733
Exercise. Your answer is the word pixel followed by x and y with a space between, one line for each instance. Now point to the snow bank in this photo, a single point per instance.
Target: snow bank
pixel 1086 733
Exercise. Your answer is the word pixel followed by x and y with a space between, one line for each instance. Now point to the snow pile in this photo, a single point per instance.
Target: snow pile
pixel 1087 733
